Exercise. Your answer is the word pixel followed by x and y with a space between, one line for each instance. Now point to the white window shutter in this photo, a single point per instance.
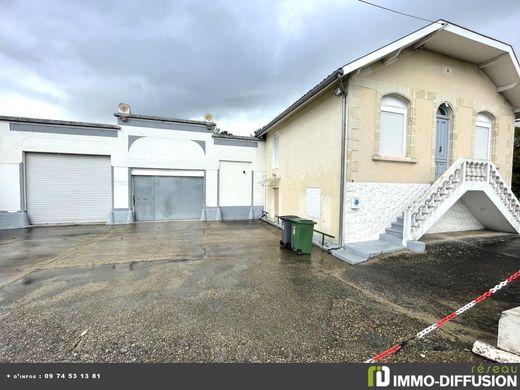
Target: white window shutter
pixel 391 134
pixel 481 149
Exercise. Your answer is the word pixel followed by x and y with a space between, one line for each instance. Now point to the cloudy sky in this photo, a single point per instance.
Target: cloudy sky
pixel 244 61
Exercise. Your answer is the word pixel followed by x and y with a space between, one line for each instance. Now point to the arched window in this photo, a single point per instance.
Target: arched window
pixel 392 126
pixel 482 138
pixel 443 110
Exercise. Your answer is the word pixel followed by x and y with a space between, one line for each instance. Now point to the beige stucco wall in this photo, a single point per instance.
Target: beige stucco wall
pixel 426 80
pixel 310 154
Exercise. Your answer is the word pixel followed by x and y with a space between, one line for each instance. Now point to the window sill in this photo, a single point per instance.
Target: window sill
pixel 409 160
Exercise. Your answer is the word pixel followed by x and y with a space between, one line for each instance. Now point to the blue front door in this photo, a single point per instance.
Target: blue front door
pixel 441 148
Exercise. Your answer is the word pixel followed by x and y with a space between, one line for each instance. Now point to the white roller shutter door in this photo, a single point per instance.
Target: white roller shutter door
pixel 66 188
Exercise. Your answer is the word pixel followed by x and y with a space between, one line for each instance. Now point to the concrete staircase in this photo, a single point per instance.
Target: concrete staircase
pixel 390 241
pixel 471 179
pixel 478 181
pixel 394 234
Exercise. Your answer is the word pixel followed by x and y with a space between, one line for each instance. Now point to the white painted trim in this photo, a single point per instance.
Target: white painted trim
pixel 486 41
pixel 165 172
pixel 416 39
pixel 492 61
pixel 423 33
pixel 276 151
pixel 477 37
pixel 507 87
pixel 386 50
pixel 424 40
pixel 392 57
pixel 394 109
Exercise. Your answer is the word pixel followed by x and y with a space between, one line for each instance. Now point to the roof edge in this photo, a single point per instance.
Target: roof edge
pixel 404 41
pixel 377 54
pixel 238 137
pixel 164 119
pixel 327 81
pixel 57 122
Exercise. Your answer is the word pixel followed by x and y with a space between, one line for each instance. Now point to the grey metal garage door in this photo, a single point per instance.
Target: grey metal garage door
pixel 67 188
pixel 167 197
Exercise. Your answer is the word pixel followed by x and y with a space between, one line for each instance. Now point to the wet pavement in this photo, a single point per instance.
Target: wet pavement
pixel 225 292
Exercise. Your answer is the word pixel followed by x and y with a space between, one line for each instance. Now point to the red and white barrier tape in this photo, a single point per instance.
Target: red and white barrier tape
pixel 397 347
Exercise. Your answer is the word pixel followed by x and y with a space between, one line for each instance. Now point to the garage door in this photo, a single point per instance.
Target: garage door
pixel 235 183
pixel 168 197
pixel 66 188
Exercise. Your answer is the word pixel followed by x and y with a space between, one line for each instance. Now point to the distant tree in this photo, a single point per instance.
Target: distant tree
pixel 225 132
pixel 515 185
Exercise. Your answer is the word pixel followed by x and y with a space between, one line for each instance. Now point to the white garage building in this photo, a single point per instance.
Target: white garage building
pixel 146 168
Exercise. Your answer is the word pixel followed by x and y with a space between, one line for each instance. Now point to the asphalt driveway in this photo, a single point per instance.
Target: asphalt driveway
pixel 224 291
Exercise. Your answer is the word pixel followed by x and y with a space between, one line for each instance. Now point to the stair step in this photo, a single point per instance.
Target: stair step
pixel 348 256
pixel 368 249
pixel 397 225
pixel 391 239
pixel 400 219
pixel 358 251
pixel 395 232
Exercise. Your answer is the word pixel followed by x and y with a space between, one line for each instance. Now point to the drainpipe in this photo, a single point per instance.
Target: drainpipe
pixel 343 92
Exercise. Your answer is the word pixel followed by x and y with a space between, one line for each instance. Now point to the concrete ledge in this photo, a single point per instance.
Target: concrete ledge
pixel 509 331
pixel 416 246
pixel 233 213
pixel 409 160
pixel 13 220
pixel 495 354
pixel 120 217
pixel 211 214
pixel 348 256
pixel 256 212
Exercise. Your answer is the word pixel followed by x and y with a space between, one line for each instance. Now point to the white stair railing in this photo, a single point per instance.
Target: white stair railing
pixel 417 216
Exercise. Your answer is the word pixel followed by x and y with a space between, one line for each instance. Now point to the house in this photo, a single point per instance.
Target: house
pixel 413 138
pixel 145 168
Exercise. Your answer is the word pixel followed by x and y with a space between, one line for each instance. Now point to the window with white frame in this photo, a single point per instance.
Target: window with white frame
pixel 482 138
pixel 392 126
pixel 313 202
pixel 276 150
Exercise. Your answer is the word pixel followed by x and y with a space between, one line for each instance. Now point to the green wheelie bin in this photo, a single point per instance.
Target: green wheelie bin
pixel 301 235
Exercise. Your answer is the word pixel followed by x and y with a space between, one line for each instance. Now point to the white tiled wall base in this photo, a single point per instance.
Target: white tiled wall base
pixel 457 219
pixel 380 204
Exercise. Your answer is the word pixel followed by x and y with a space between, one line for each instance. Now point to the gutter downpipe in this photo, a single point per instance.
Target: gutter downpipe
pixel 343 157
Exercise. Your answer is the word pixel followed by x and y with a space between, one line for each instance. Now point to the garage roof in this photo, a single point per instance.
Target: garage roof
pixel 164 119
pixel 58 122
pixel 495 58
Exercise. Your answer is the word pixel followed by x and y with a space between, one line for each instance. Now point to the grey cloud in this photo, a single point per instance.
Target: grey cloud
pixel 185 58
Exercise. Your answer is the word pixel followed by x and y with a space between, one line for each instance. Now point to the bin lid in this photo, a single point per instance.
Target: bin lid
pixel 304 221
pixel 287 217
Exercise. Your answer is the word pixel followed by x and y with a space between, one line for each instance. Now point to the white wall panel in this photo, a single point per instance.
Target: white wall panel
pixel 211 187
pixel 235 183
pixel 380 204
pixel 9 187
pixel 259 188
pixel 121 187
